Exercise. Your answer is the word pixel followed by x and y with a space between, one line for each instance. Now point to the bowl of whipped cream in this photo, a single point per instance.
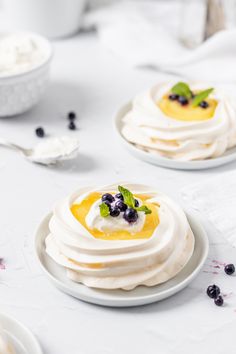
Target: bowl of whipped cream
pixel 24 71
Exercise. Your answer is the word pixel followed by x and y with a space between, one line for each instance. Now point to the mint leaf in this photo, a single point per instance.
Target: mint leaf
pixel 182 89
pixel 128 197
pixel 201 96
pixel 104 210
pixel 130 201
pixel 145 209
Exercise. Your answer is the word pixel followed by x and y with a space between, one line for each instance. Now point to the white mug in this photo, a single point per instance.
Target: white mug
pixel 51 18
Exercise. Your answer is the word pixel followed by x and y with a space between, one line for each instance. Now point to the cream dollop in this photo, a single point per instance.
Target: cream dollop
pixel 21 52
pixel 5 346
pixel 146 126
pixel 112 264
pixel 94 220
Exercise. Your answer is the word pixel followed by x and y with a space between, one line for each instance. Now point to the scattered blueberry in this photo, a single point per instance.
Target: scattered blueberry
pixel 183 100
pixel 229 269
pixel 130 215
pixel 72 125
pixel 107 197
pixel 40 132
pixel 219 301
pixel 71 116
pixel 173 97
pixel 114 211
pixel 213 291
pixel 204 104
pixel 119 196
pixel 136 203
pixel 121 205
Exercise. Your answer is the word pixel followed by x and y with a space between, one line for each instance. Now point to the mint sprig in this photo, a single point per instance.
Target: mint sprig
pixel 182 89
pixel 201 96
pixel 104 210
pixel 130 200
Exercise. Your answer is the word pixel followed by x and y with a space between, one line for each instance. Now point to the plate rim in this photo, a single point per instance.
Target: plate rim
pixel 163 161
pixel 116 301
pixel 24 329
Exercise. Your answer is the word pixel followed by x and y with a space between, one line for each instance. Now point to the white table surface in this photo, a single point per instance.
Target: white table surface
pixel 90 80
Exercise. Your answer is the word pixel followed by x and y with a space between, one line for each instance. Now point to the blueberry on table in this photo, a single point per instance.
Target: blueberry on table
pixel 72 125
pixel 130 215
pixel 40 132
pixel 182 100
pixel 114 212
pixel 71 116
pixel 213 291
pixel 108 197
pixel 219 301
pixel 173 97
pixel 204 104
pixel 229 269
pixel 121 205
pixel 119 196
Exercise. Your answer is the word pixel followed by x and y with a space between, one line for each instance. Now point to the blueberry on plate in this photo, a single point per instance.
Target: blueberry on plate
pixel 121 205
pixel 114 211
pixel 130 215
pixel 182 100
pixel 108 197
pixel 173 97
pixel 213 291
pixel 119 196
pixel 229 269
pixel 40 132
pixel 204 104
pixel 219 301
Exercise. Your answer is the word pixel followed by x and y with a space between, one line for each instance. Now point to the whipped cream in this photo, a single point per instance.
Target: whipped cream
pixel 146 126
pixel 125 264
pixel 5 346
pixel 21 52
pixel 53 148
pixel 109 224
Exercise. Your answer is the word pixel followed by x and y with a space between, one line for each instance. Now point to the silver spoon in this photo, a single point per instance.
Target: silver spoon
pixel 32 156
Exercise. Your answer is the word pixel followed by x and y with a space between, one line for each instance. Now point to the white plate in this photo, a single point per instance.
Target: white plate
pixel 120 298
pixel 228 156
pixel 22 339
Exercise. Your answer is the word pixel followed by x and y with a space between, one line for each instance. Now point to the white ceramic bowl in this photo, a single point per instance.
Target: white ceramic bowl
pixel 20 92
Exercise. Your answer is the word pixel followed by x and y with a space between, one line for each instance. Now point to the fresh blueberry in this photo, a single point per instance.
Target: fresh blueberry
pixel 213 291
pixel 114 211
pixel 182 100
pixel 219 301
pixel 71 116
pixel 229 269
pixel 121 205
pixel 40 132
pixel 72 125
pixel 136 203
pixel 173 97
pixel 204 104
pixel 108 197
pixel 119 196
pixel 130 215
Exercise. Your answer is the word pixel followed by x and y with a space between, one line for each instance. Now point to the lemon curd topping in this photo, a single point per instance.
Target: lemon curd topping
pixel 187 112
pixel 81 210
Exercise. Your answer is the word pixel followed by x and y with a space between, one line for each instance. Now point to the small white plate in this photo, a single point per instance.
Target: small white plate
pixel 120 298
pixel 228 156
pixel 22 339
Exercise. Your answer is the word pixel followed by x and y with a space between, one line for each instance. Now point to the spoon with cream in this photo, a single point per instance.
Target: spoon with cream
pixel 49 151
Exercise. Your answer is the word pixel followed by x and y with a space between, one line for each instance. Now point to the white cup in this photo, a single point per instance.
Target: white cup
pixel 51 18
